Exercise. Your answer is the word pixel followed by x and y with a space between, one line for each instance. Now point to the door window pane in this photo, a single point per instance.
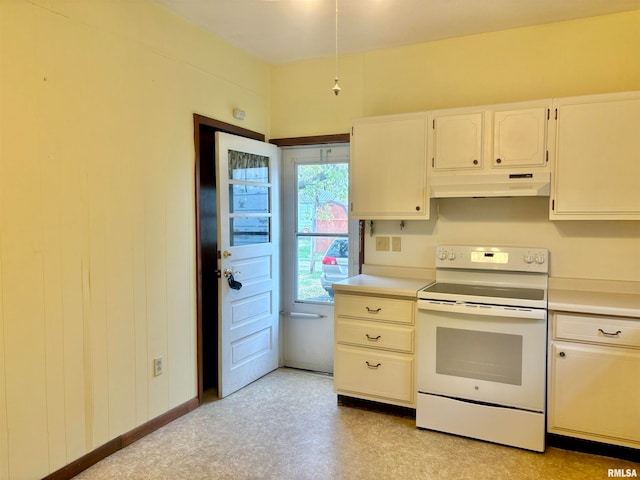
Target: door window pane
pixel 248 167
pixel 249 230
pixel 249 204
pixel 322 226
pixel 321 261
pixel 248 199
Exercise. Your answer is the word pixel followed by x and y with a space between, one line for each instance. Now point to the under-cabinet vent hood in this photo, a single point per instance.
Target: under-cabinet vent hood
pixel 491 185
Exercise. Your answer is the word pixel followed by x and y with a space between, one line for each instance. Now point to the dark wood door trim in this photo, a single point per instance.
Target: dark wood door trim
pixel 313 140
pixel 216 125
pixel 225 127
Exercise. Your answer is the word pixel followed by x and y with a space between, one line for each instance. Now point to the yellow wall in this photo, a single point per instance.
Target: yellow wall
pixel 97 269
pixel 594 55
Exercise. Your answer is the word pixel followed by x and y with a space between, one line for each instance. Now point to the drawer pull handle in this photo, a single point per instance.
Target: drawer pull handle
pixel 373 339
pixel 371 365
pixel 608 334
pixel 372 310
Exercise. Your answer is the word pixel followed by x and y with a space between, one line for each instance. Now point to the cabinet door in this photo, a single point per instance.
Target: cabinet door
pixel 458 141
pixel 519 138
pixel 388 171
pixel 594 391
pixel 597 158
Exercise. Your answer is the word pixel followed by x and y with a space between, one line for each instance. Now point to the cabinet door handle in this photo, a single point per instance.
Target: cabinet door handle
pixel 609 334
pixel 562 354
pixel 373 339
pixel 373 310
pixel 371 365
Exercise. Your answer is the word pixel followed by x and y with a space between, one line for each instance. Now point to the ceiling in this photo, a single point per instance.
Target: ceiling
pixel 282 31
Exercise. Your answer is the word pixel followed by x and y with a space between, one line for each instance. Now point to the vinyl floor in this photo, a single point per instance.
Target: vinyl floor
pixel 288 426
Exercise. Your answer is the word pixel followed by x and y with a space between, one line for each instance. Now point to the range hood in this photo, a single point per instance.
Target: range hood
pixel 491 185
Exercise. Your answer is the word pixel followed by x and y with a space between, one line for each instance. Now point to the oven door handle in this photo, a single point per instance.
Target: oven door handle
pixel 480 309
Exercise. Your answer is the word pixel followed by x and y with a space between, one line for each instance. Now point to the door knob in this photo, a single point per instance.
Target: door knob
pixel 226 254
pixel 227 272
pixel 233 283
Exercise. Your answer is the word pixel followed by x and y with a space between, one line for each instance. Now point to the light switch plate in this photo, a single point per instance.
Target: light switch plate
pixel 396 244
pixel 382 244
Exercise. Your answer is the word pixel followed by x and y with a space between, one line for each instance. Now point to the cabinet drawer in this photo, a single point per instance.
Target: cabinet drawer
pixel 375 334
pixel 375 308
pixel 374 373
pixel 588 328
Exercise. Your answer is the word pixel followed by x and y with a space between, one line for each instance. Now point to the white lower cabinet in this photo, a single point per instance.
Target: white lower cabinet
pixel 374 352
pixel 594 378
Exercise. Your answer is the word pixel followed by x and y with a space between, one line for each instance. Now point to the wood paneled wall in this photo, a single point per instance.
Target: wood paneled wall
pixel 97 227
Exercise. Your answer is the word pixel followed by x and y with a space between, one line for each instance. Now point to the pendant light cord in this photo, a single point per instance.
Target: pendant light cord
pixel 336 88
pixel 336 38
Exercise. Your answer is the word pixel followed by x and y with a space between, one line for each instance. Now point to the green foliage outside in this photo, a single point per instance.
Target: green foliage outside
pixel 317 185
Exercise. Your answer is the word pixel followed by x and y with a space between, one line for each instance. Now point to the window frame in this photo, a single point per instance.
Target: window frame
pixel 316 154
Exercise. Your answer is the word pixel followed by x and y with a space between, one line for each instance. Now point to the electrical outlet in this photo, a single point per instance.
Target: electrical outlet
pixel 382 244
pixel 396 244
pixel 158 366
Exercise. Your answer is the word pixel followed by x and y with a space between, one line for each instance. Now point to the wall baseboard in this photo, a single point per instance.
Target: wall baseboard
pixel 74 468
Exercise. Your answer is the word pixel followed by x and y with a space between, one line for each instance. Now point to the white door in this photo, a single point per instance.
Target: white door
pixel 317 250
pixel 248 239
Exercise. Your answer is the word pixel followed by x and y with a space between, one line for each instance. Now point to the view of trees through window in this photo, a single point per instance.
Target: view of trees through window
pixel 322 229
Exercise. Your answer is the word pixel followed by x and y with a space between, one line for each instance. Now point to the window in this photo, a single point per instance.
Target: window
pixel 316 202
pixel 322 231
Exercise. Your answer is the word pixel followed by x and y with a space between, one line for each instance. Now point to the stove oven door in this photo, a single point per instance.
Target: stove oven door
pixel 485 354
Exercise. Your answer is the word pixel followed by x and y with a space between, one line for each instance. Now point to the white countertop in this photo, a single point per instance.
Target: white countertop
pixel 598 297
pixel 568 295
pixel 598 303
pixel 381 285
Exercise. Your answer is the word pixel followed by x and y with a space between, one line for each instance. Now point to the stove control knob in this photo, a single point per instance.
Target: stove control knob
pixel 528 258
pixel 442 255
pixel 452 256
pixel 539 259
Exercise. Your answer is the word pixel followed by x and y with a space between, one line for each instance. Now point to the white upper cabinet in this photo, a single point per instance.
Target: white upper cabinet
pixel 597 158
pixel 457 141
pixel 519 137
pixel 490 138
pixel 388 168
pixel 588 145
